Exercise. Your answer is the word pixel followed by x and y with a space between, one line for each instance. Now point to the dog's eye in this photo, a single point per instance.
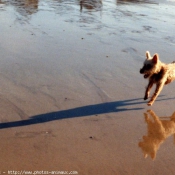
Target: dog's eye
pixel 148 66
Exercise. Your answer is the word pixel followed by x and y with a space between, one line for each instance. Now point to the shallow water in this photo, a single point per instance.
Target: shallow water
pixel 79 61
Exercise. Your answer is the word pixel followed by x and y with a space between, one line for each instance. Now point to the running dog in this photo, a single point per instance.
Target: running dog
pixel 158 73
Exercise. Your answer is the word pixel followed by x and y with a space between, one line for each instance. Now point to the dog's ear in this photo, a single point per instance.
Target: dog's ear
pixel 148 55
pixel 155 58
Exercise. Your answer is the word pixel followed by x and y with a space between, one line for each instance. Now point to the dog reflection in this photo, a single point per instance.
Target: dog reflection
pixel 158 131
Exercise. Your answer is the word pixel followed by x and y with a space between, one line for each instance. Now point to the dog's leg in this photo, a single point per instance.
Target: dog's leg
pixel 159 87
pixel 146 117
pixel 150 84
pixel 154 116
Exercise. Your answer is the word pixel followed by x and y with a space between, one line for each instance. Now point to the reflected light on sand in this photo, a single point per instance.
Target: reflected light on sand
pixel 91 4
pixel 24 7
pixel 158 130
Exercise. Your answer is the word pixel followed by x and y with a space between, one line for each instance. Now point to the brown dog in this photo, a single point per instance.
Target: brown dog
pixel 158 73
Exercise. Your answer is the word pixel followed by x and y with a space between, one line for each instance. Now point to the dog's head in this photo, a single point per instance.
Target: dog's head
pixel 150 65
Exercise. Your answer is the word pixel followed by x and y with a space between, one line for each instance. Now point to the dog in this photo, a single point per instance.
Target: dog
pixel 158 130
pixel 158 73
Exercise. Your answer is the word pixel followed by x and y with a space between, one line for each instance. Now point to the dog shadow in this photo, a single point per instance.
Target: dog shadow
pixel 83 111
pixel 90 110
pixel 158 130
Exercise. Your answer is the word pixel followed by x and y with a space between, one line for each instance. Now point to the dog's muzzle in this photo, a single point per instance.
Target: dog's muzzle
pixel 141 71
pixel 146 75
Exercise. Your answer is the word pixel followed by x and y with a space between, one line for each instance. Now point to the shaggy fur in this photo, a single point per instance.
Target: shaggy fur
pixel 158 73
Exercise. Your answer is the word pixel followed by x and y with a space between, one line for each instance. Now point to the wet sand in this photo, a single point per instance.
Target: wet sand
pixel 71 96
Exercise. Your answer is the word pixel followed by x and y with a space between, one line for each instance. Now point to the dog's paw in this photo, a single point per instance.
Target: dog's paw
pixel 145 98
pixel 150 103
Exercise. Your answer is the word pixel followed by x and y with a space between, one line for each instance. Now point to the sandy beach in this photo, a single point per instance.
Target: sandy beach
pixel 71 95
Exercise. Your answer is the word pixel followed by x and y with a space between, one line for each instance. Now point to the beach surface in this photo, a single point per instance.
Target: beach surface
pixel 71 95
